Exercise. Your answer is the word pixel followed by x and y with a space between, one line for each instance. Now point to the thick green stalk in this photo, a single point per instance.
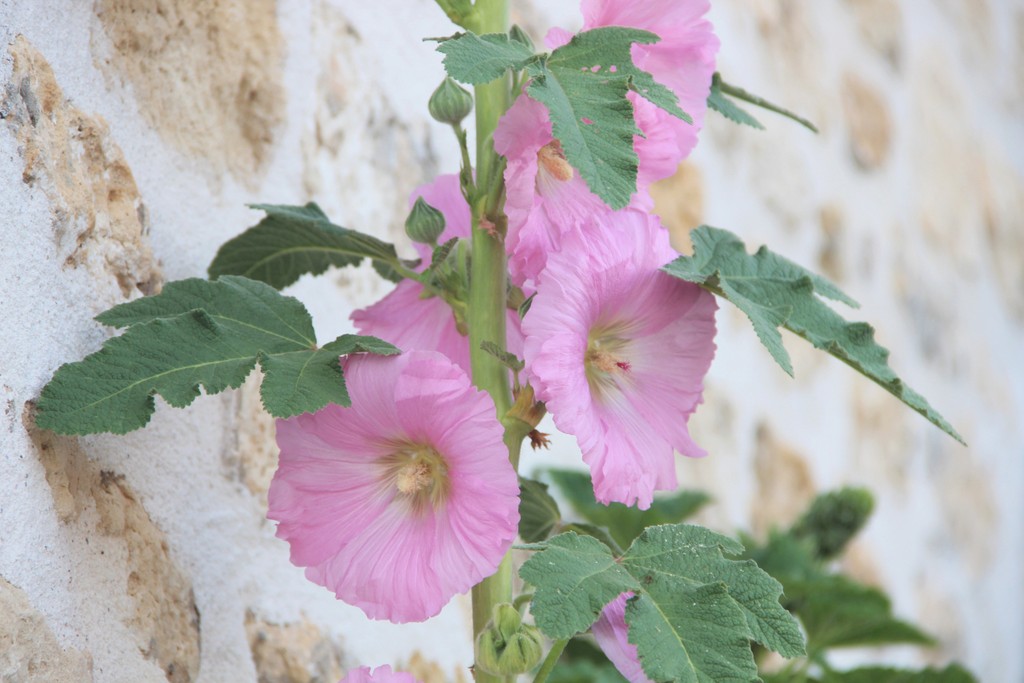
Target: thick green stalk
pixel 487 296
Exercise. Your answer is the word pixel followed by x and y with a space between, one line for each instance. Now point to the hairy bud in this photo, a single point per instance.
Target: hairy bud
pixel 450 103
pixel 425 223
pixel 508 646
pixel 519 35
pixel 833 519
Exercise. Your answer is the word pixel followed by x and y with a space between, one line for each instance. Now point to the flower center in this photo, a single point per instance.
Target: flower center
pixel 606 361
pixel 551 160
pixel 419 474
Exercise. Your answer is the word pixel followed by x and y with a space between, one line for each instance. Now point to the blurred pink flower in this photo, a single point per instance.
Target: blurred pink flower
pixel 382 674
pixel 407 319
pixel 618 351
pixel 612 635
pixel 405 498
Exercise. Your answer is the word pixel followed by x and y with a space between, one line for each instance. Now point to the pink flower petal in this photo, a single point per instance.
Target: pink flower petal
pixel 618 350
pixel 612 635
pixel 356 531
pixel 382 674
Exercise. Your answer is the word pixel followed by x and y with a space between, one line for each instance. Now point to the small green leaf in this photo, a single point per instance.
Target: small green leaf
pixel 509 360
pixel 583 85
pixel 718 101
pixel 727 108
pixel 838 612
pixel 833 519
pixel 585 671
pixel 575 577
pixel 625 523
pixel 775 292
pixel 474 59
pixel 198 334
pixel 294 240
pixel 538 511
pixel 954 673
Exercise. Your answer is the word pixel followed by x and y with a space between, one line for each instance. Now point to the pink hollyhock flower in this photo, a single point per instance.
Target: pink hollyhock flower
pixel 612 635
pixel 545 196
pixel 405 498
pixel 618 349
pixel 407 319
pixel 382 674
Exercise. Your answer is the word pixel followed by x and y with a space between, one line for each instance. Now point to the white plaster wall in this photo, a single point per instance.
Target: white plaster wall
pixel 929 241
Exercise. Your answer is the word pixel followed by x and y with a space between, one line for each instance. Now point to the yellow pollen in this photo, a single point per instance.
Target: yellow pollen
pixel 552 159
pixel 414 476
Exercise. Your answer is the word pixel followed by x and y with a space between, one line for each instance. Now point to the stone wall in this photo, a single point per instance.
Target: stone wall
pixel 133 133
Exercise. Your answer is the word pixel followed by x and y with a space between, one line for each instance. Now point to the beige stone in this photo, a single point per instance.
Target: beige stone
pixel 832 225
pixel 253 460
pixel 164 617
pixel 428 671
pixel 882 447
pixel 292 653
pixel 29 652
pixel 868 121
pixel 679 201
pixel 785 485
pixel 98 217
pixel 206 75
pixel 967 502
pixel 880 23
pixel 1004 231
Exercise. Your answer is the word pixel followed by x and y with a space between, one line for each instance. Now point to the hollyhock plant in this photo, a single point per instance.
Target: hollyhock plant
pixel 612 635
pixel 409 319
pixel 618 350
pixel 382 674
pixel 405 498
pixel 545 195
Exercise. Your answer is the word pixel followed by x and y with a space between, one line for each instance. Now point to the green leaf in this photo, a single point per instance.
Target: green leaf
pixel 693 614
pixel 717 101
pixel 954 673
pixel 838 612
pixel 692 555
pixel 583 85
pixel 719 90
pixel 692 633
pixel 625 523
pixel 585 671
pixel 775 292
pixel 198 334
pixel 294 240
pixel 575 577
pixel 538 511
pixel 474 59
pixel 833 519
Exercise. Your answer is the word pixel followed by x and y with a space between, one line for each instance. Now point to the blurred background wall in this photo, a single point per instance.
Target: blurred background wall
pixel 134 132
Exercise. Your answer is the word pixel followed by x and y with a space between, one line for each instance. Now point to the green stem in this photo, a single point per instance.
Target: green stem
pixel 550 660
pixel 487 292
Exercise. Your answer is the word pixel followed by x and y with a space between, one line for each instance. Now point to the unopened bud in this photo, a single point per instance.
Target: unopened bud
pixel 450 103
pixel 508 646
pixel 833 519
pixel 425 223
pixel 519 35
pixel 527 408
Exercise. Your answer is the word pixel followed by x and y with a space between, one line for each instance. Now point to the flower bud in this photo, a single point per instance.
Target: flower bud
pixel 450 103
pixel 508 646
pixel 425 223
pixel 519 35
pixel 833 519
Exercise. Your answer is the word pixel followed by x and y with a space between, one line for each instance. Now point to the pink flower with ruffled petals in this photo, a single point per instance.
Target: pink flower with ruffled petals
pixel 612 635
pixel 382 674
pixel 405 498
pixel 618 350
pixel 407 319
pixel 545 196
